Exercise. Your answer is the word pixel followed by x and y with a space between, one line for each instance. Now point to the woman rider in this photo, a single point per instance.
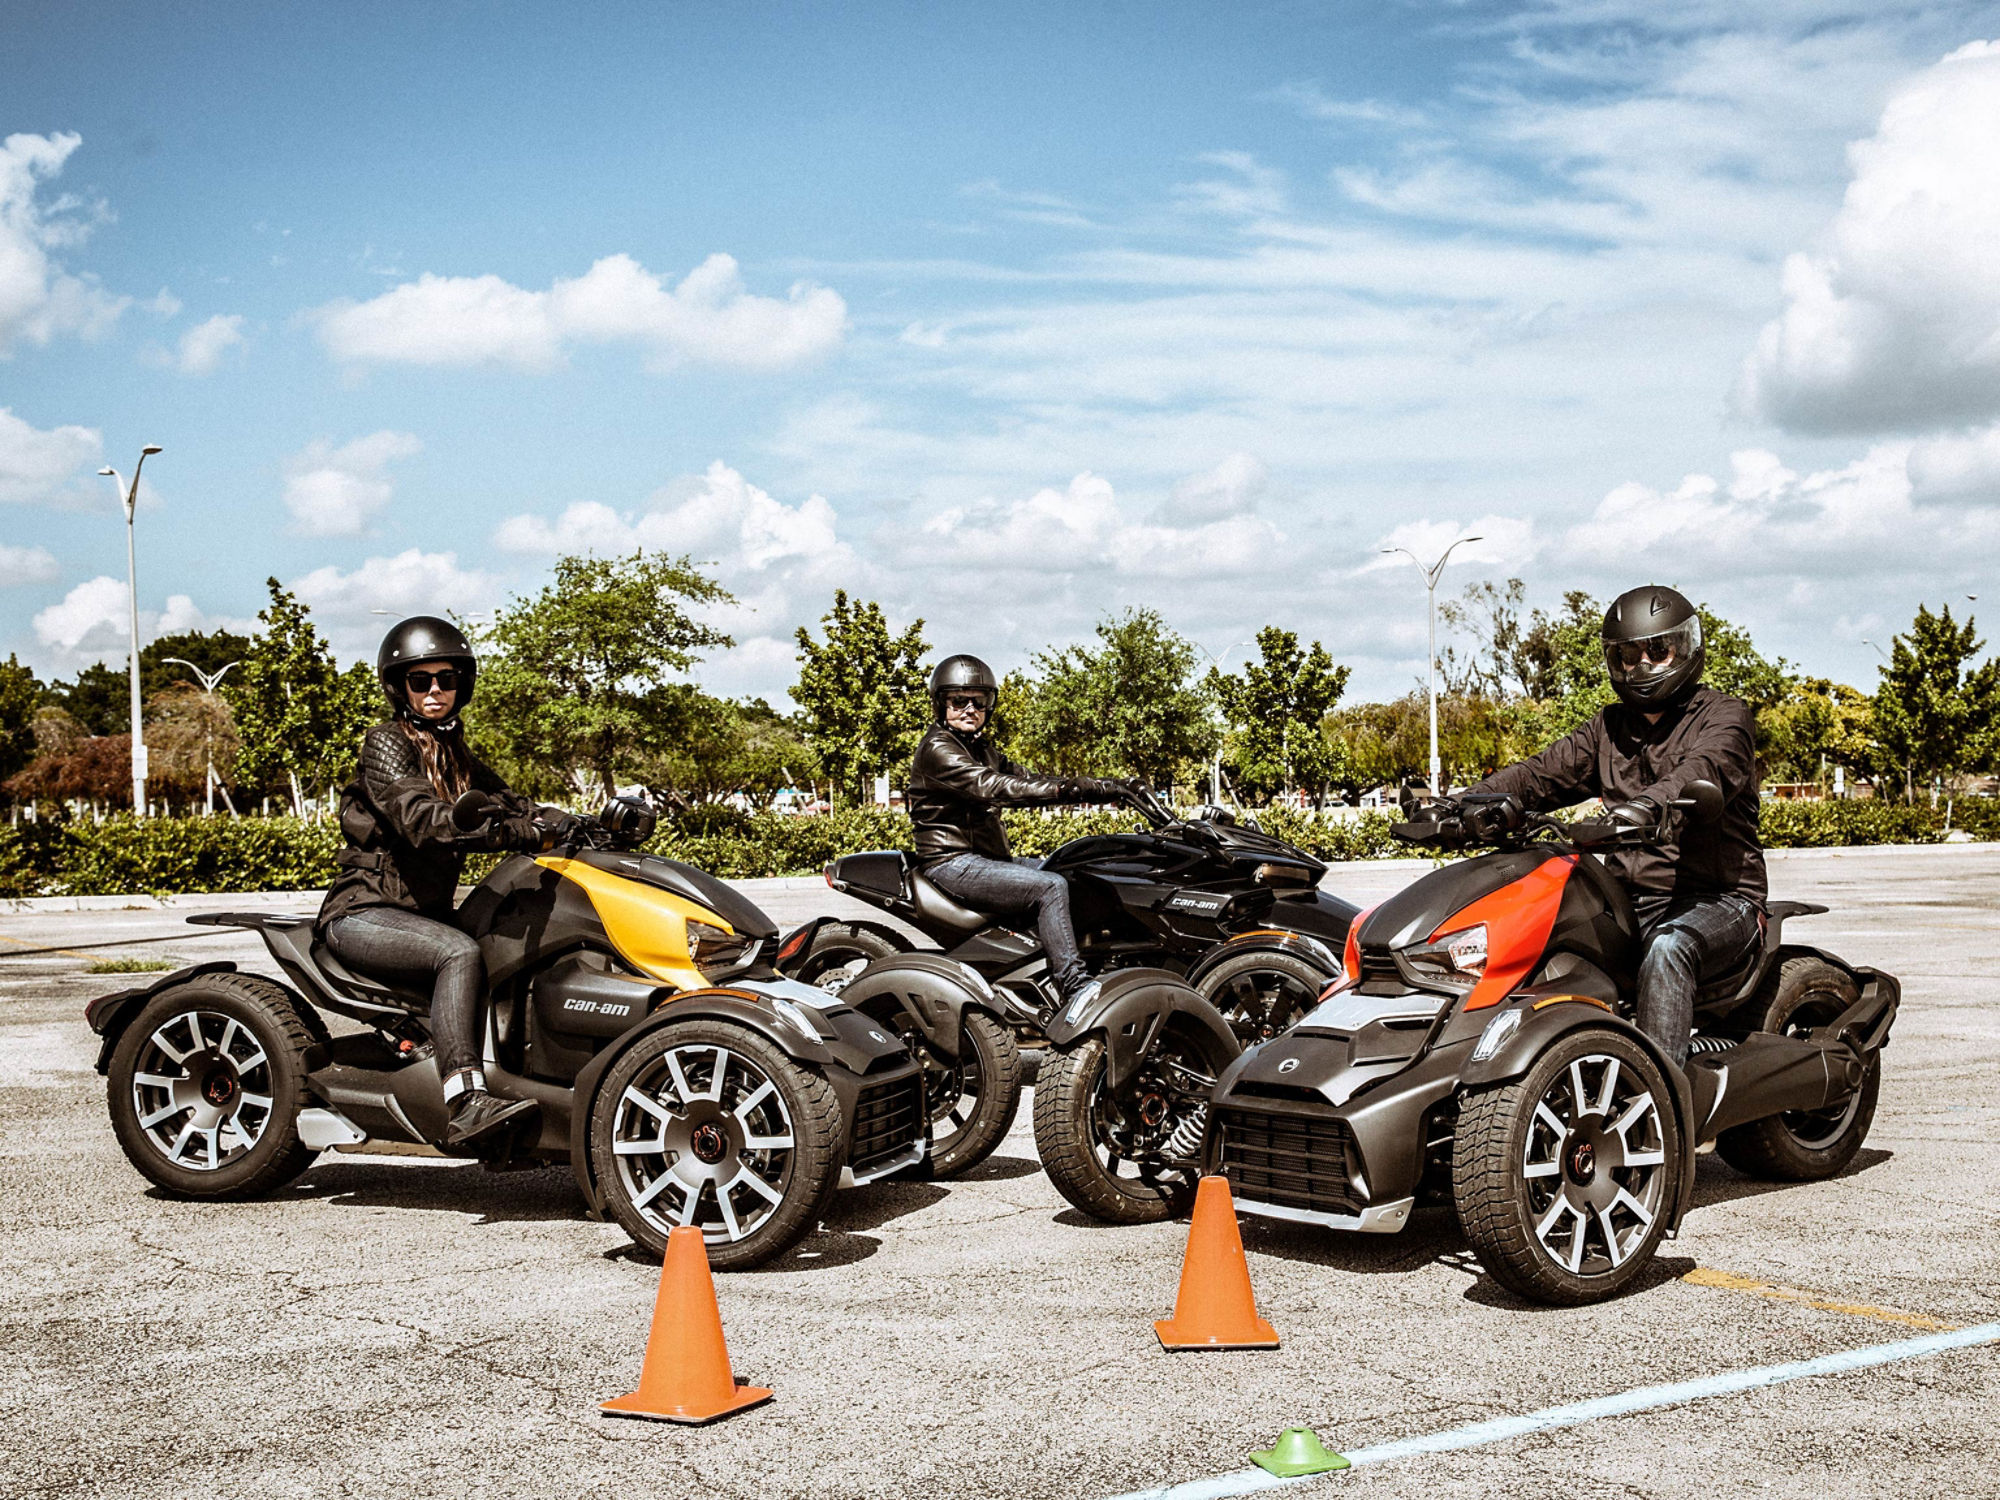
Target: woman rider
pixel 389 913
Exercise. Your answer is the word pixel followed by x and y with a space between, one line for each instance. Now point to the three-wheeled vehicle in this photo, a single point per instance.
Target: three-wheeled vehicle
pixel 1481 1047
pixel 633 998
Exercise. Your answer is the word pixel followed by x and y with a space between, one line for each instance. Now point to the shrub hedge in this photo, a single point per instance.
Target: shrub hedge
pixel 165 856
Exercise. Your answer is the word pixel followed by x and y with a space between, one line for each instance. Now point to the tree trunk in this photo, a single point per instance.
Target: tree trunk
pixel 298 795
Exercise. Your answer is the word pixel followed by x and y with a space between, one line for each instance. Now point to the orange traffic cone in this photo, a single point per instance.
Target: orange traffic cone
pixel 1216 1308
pixel 686 1375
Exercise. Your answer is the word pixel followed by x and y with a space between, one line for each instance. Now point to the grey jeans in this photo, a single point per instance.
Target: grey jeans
pixel 1013 888
pixel 400 947
pixel 1685 942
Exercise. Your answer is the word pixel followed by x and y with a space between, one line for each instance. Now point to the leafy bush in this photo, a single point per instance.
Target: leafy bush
pixel 163 856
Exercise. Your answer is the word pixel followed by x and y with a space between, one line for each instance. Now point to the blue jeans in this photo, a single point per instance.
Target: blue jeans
pixel 1685 942
pixel 1014 888
pixel 400 947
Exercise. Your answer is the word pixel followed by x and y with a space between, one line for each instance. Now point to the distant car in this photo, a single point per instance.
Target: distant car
pixel 792 801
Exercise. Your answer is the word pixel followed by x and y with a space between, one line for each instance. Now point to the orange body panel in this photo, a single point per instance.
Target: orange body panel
pixel 1518 918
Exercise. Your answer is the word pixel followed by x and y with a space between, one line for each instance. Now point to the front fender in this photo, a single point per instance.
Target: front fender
pixel 1548 1021
pixel 932 990
pixel 109 1015
pixel 1297 945
pixel 1130 1009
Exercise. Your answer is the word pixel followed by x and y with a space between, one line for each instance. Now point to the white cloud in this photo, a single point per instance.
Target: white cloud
pixel 1895 322
pixel 92 622
pixel 1958 467
pixel 202 347
pixel 1502 542
pixel 709 318
pixel 26 565
pixel 1230 488
pixel 38 298
pixel 42 467
pixel 355 609
pixel 1250 190
pixel 337 491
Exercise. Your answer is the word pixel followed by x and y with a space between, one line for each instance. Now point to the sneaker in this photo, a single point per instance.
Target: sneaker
pixel 477 1115
pixel 1078 1000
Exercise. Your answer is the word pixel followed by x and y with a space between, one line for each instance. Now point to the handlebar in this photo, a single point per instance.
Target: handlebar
pixel 1500 821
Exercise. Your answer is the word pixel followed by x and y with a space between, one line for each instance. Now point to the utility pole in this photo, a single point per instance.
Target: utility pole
pixel 1431 575
pixel 130 496
pixel 208 682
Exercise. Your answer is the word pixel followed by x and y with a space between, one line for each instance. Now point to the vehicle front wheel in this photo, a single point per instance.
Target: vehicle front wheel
pixel 708 1124
pixel 973 1101
pixel 206 1085
pixel 1804 1145
pixel 1129 1159
pixel 841 950
pixel 1565 1179
pixel 1260 994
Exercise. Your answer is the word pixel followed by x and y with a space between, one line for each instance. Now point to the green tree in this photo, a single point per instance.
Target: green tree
pixel 21 694
pixel 298 717
pixel 1275 709
pixel 100 696
pixel 575 689
pixel 721 748
pixel 1819 725
pixel 864 694
pixel 1386 744
pixel 1935 715
pixel 1133 706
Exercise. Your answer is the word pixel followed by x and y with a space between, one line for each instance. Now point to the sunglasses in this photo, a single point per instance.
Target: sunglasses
pixel 965 700
pixel 1658 651
pixel 447 680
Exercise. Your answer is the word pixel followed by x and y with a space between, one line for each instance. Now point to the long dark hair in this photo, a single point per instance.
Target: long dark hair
pixel 441 752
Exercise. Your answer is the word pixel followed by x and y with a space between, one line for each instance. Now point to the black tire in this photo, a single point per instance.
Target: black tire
pixel 1802 1145
pixel 1513 1178
pixel 704 1129
pixel 839 951
pixel 1260 994
pixel 972 1102
pixel 206 1085
pixel 1077 1134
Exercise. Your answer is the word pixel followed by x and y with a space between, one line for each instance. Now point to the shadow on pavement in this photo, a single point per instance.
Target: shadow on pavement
pixel 1000 1169
pixel 1716 1182
pixel 1432 1235
pixel 838 1240
pixel 1664 1268
pixel 543 1193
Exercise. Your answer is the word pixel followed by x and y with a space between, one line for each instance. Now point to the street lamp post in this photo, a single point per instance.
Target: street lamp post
pixel 1431 576
pixel 208 681
pixel 130 496
pixel 1215 767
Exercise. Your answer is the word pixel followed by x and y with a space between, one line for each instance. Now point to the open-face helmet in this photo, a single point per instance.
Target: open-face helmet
pixel 962 674
pixel 425 638
pixel 1653 647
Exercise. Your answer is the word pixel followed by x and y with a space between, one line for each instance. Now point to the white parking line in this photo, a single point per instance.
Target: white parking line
pixel 1646 1398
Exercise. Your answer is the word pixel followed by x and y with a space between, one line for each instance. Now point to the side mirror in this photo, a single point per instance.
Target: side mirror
pixel 1701 800
pixel 469 811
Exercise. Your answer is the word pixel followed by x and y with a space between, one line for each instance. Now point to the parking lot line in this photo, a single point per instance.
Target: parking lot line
pixel 1729 1281
pixel 1625 1403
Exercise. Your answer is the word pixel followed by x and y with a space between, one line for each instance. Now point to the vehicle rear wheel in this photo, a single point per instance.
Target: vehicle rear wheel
pixel 839 951
pixel 1804 1145
pixel 708 1124
pixel 1260 994
pixel 1565 1178
pixel 206 1085
pixel 1115 1158
pixel 973 1101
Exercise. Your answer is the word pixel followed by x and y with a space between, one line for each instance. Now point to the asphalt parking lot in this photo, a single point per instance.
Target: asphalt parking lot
pixel 411 1326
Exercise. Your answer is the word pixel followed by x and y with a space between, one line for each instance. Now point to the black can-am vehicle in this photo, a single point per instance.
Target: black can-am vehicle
pixel 1480 1047
pixel 633 998
pixel 1234 913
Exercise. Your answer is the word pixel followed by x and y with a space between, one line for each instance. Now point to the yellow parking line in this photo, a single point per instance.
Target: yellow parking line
pixel 1729 1281
pixel 29 942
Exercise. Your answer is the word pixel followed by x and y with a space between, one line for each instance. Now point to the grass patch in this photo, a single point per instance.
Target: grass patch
pixel 131 966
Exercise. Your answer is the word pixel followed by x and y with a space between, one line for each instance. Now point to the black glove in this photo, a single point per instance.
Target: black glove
pixel 1098 789
pixel 521 832
pixel 1638 814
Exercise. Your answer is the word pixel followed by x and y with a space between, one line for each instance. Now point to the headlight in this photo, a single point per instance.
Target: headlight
pixel 1456 961
pixel 715 951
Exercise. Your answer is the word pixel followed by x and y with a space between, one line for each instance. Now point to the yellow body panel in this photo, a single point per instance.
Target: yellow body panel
pixel 648 926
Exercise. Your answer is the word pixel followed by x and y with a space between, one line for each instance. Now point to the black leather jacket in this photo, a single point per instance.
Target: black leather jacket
pixel 958 785
pixel 402 847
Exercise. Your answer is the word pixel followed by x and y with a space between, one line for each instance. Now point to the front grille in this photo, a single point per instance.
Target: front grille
pixel 1292 1160
pixel 888 1119
pixel 1379 974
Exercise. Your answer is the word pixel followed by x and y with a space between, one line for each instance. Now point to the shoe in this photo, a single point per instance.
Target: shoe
pixel 477 1115
pixel 1077 1001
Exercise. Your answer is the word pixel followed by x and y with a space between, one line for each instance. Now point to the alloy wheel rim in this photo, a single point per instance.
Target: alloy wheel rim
pixel 202 1090
pixel 1593 1168
pixel 1262 1002
pixel 702 1137
pixel 952 1091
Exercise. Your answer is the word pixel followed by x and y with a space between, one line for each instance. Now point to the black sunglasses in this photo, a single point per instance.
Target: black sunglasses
pixel 965 700
pixel 447 680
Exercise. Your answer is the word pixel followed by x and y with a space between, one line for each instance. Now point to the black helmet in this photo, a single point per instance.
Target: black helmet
pixel 424 638
pixel 962 674
pixel 1653 647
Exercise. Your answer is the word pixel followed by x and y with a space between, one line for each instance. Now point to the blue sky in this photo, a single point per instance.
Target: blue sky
pixel 1007 316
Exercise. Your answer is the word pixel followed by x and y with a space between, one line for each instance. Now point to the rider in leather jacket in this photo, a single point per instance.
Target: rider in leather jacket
pixel 389 912
pixel 1699 895
pixel 959 783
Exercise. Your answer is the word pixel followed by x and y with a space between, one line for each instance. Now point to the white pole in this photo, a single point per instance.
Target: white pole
pixel 1431 576
pixel 131 498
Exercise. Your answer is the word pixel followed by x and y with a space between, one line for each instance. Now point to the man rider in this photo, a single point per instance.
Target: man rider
pixel 1699 895
pixel 958 785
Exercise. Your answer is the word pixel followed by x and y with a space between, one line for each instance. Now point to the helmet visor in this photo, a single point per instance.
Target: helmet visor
pixel 967 697
pixel 1652 657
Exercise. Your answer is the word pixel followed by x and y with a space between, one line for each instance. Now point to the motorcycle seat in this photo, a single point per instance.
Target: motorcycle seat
pixel 933 905
pixel 363 987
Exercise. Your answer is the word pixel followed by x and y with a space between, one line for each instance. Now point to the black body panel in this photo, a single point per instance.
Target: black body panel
pixel 1131 1008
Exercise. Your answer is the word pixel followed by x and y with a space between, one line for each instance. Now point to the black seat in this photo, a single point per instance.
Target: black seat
pixel 933 905
pixel 366 988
